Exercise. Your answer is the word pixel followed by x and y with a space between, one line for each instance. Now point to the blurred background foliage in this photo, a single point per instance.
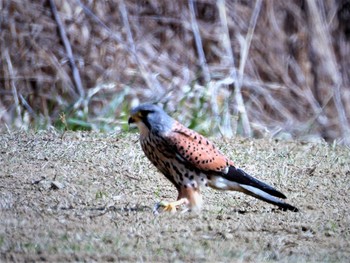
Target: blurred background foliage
pixel 253 68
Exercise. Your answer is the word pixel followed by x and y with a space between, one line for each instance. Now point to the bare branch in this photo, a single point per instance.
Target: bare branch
pixel 199 45
pixel 244 56
pixel 13 85
pixel 67 46
pixel 151 82
pixel 324 49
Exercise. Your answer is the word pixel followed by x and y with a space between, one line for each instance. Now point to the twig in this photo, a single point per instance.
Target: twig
pixel 244 55
pixel 199 45
pixel 151 83
pixel 238 78
pixel 227 125
pixel 13 85
pixel 248 40
pixel 226 37
pixel 114 35
pixel 68 47
pixel 324 50
pixel 129 46
pixel 27 106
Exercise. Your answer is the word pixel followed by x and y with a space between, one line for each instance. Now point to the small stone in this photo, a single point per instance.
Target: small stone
pixel 56 185
pixel 219 217
pixel 228 236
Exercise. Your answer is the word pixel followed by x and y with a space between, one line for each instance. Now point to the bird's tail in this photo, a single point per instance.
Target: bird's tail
pixel 253 187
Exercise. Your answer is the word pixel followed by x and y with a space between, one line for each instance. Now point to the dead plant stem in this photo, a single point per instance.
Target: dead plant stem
pixel 13 85
pixel 151 82
pixel 199 44
pixel 75 72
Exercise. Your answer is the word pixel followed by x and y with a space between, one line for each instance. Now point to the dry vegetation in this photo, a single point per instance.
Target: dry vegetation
pixel 261 68
pixel 88 197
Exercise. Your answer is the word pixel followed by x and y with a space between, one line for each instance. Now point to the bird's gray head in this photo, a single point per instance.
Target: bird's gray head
pixel 150 117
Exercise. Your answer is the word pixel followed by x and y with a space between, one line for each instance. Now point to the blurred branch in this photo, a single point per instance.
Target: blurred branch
pixel 97 20
pixel 12 83
pixel 68 47
pixel 130 46
pixel 245 46
pixel 151 82
pixel 199 44
pixel 226 36
pixel 324 50
pixel 244 56
pixel 226 41
pixel 238 78
pixel 248 40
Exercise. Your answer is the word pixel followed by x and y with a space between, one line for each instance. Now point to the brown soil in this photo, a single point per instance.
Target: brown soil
pixel 89 196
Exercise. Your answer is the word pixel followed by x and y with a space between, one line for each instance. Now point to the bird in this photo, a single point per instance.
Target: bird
pixel 191 162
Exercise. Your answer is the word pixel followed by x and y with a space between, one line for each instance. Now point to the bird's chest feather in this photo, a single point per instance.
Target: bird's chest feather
pixel 167 162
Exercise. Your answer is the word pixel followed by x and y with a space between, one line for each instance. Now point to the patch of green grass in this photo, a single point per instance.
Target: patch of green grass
pixel 31 247
pixel 332 226
pixel 157 192
pixel 74 247
pixel 2 240
pixel 105 119
pixel 89 248
pixel 101 195
pixel 64 237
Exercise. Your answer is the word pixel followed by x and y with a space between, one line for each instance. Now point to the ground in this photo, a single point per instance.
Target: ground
pixel 89 197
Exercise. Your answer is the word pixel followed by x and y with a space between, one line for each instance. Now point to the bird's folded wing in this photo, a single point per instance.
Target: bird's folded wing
pixel 196 150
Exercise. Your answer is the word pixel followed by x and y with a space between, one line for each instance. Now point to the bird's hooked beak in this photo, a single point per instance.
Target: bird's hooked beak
pixel 138 119
pixel 131 122
pixel 135 118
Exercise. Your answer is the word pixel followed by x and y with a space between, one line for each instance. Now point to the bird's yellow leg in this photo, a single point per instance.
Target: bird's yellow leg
pixel 170 206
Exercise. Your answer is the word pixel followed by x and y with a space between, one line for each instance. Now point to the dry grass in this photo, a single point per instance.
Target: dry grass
pixel 88 197
pixel 261 68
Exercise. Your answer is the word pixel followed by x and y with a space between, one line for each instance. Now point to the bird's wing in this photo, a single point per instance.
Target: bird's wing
pixel 196 150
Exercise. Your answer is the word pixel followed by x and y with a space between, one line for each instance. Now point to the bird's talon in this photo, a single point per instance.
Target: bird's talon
pixel 167 207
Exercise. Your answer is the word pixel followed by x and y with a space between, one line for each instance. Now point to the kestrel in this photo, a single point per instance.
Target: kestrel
pixel 190 161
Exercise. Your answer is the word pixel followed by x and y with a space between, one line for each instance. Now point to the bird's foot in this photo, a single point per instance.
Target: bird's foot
pixel 166 206
pixel 169 206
